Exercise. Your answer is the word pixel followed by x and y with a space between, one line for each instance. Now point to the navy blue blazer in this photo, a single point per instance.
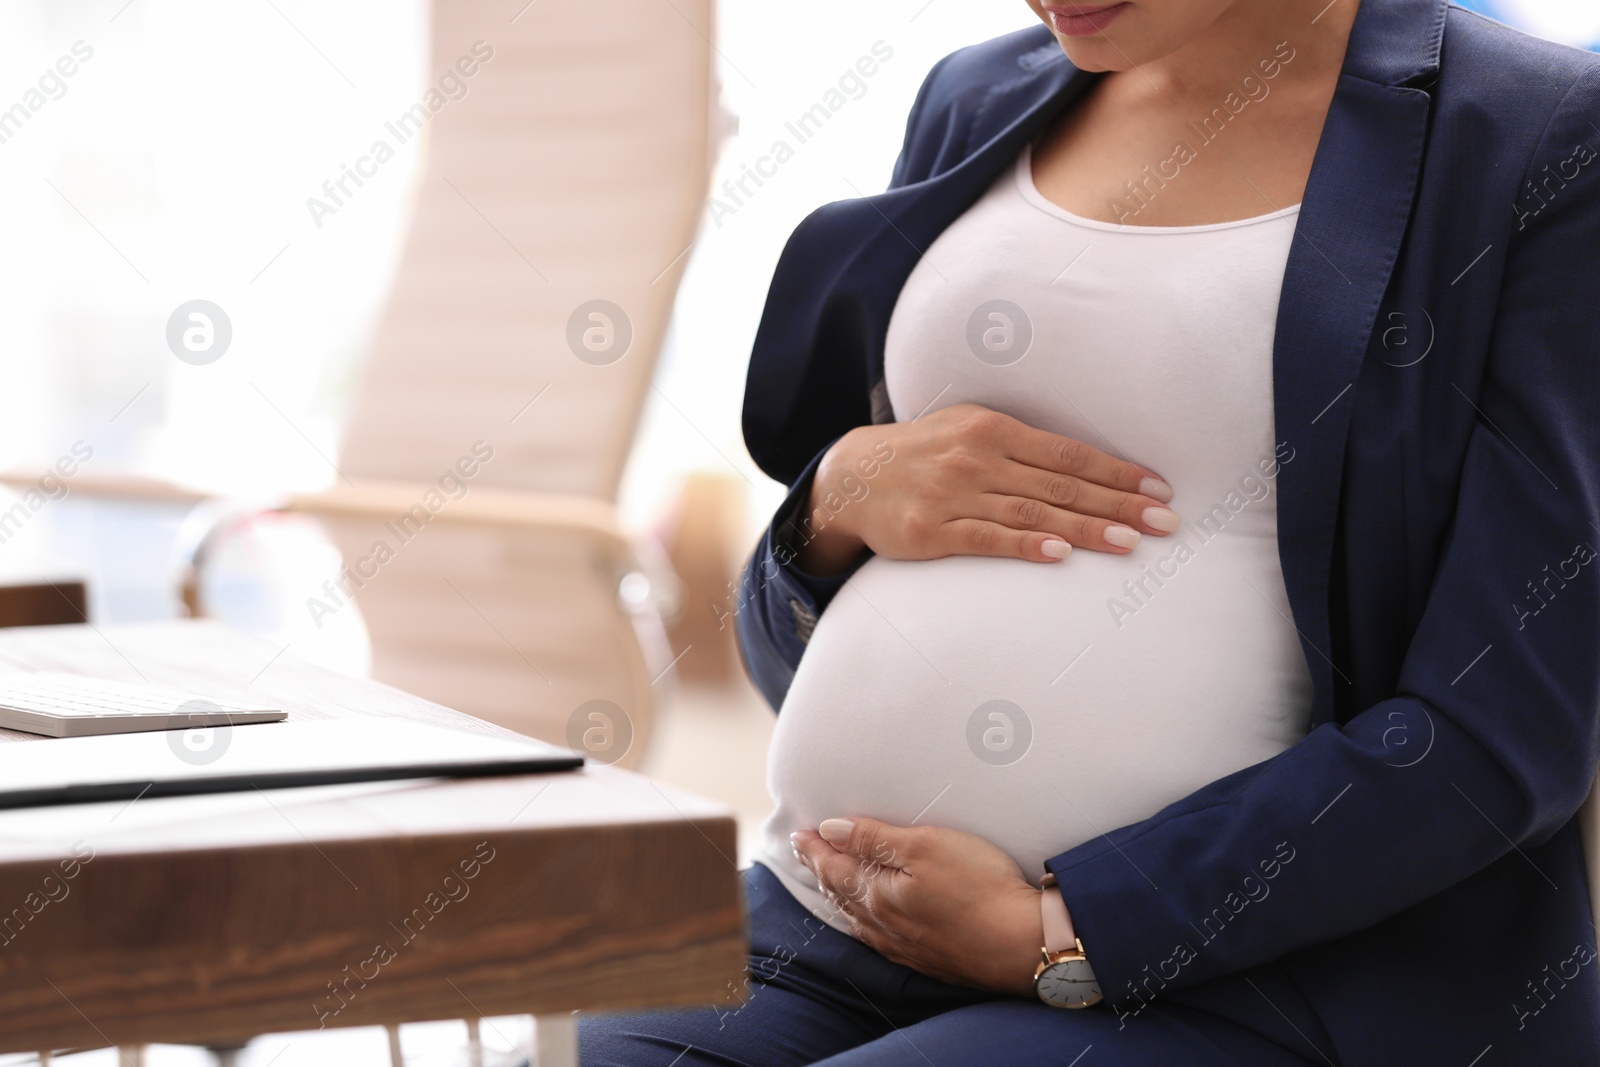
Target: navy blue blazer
pixel 1435 373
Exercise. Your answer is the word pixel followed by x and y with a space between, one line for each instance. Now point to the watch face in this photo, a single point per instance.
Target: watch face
pixel 1068 984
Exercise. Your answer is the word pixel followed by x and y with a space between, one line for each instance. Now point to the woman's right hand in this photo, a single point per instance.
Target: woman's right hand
pixel 967 480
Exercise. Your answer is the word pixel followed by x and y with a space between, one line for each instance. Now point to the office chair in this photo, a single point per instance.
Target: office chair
pixel 557 204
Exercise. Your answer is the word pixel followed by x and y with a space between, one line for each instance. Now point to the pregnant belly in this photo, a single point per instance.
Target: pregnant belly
pixel 1036 705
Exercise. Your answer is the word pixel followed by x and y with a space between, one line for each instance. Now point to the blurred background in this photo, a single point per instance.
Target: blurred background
pixel 411 336
pixel 652 156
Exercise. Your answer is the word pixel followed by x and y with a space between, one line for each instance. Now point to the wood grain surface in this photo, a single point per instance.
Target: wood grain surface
pixel 211 919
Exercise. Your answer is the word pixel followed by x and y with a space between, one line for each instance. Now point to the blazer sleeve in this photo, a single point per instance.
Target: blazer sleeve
pixel 778 603
pixel 1350 825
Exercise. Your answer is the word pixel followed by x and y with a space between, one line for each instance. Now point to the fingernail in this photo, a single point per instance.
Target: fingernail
pixel 1164 519
pixel 1123 536
pixel 836 831
pixel 1156 489
pixel 1056 549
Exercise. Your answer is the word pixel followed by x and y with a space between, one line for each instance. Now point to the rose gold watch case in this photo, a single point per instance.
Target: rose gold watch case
pixel 1089 993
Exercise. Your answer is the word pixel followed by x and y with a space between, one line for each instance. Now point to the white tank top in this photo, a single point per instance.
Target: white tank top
pixel 1041 705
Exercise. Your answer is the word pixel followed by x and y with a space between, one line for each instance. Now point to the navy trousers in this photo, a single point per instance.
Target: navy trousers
pixel 816 996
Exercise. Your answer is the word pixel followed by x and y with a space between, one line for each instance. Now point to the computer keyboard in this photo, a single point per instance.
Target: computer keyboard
pixel 60 704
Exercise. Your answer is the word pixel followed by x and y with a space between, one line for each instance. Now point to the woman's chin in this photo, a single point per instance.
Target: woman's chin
pixel 1095 54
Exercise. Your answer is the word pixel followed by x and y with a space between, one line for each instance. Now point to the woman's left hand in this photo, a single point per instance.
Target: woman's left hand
pixel 943 902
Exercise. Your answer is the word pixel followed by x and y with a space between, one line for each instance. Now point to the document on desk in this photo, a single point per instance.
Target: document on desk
pixel 278 755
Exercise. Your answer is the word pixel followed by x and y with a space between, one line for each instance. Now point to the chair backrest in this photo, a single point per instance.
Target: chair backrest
pixel 557 203
pixel 556 207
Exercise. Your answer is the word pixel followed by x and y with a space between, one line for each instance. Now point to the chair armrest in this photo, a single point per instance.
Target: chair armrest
pixel 120 486
pixel 387 499
pixel 481 505
pixel 213 513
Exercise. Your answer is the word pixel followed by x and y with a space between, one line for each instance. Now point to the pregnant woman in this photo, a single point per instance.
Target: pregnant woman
pixel 1182 618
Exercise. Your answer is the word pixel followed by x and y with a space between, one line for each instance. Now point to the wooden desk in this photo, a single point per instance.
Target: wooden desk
pixel 208 920
pixel 40 601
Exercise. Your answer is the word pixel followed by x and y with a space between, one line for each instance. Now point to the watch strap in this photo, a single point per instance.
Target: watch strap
pixel 1059 935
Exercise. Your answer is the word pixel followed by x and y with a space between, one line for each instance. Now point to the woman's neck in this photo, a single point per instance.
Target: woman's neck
pixel 1247 33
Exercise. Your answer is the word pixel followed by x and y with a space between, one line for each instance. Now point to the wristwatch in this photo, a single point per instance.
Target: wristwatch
pixel 1064 979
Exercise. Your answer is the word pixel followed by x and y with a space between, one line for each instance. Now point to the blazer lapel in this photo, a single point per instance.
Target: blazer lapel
pixel 924 209
pixel 912 216
pixel 1352 221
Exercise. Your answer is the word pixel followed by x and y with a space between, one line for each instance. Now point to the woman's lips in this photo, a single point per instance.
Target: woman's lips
pixel 1082 20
